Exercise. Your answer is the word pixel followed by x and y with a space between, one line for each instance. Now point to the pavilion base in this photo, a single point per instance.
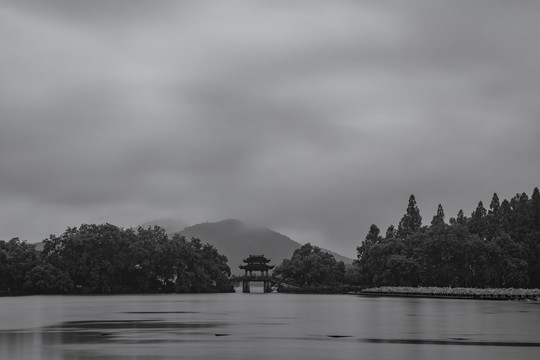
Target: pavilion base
pixel 267 286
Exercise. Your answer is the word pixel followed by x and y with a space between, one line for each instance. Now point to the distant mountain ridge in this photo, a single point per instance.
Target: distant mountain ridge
pixel 170 226
pixel 236 240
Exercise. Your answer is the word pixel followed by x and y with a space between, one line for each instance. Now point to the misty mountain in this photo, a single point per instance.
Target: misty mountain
pixel 171 226
pixel 237 240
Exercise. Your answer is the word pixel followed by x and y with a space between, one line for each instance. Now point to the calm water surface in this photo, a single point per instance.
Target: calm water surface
pixel 265 326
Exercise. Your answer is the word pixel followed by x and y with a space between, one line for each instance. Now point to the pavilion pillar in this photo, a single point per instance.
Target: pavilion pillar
pixel 245 286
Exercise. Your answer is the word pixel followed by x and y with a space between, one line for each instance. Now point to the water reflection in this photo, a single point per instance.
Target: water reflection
pixel 243 326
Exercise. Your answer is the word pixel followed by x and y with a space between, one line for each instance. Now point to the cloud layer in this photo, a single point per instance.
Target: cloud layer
pixel 314 118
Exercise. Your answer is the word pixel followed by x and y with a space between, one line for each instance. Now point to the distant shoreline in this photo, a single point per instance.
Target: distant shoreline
pixel 455 293
pixel 501 294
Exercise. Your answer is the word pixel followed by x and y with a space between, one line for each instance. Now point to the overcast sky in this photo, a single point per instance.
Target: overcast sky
pixel 313 118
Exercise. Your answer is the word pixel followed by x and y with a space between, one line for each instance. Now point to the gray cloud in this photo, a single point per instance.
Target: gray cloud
pixel 314 118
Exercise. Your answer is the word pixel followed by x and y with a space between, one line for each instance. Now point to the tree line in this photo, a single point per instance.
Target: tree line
pixel 496 247
pixel 104 258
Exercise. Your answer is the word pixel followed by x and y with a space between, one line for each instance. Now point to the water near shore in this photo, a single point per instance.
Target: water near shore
pixel 265 326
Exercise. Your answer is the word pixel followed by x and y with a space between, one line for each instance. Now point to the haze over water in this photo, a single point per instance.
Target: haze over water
pixel 265 326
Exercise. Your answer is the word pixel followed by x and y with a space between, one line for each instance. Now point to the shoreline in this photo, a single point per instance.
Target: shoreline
pixel 501 294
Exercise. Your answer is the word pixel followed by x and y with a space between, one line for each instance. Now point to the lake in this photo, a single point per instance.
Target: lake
pixel 265 326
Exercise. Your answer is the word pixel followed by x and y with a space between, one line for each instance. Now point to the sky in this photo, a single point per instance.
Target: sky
pixel 313 118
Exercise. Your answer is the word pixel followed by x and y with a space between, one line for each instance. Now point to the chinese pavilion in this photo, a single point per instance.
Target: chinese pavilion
pixel 256 263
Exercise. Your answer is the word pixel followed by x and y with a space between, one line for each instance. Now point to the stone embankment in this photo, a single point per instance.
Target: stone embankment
pixel 455 293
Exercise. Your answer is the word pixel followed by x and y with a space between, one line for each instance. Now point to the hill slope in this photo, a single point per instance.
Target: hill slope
pixel 237 240
pixel 169 225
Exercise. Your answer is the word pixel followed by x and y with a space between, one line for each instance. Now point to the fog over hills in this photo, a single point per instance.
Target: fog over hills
pixel 236 239
pixel 171 226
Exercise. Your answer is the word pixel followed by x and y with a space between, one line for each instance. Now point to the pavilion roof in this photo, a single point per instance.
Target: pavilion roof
pixel 256 267
pixel 256 259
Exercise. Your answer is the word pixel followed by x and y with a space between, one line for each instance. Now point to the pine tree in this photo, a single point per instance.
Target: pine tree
pixel 505 214
pixel 390 232
pixel 411 221
pixel 371 239
pixel 493 219
pixel 535 205
pixel 494 206
pixel 477 222
pixel 438 219
pixel 521 215
pixel 461 219
pixel 534 263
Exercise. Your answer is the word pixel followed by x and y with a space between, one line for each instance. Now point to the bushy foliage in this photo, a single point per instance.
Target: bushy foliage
pixel 495 248
pixel 309 266
pixel 108 259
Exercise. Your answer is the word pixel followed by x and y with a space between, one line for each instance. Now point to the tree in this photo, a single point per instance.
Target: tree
pixel 372 238
pixel 47 279
pixel 309 266
pixel 443 256
pixel 493 219
pixel 390 232
pixel 534 249
pixel 508 264
pixel 505 213
pixel 477 222
pixel 495 248
pixel 353 275
pixel 535 205
pixel 411 221
pixel 17 259
pixel 461 218
pixel 107 259
pixel 96 257
pixel 438 219
pixel 494 206
pixel 386 264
